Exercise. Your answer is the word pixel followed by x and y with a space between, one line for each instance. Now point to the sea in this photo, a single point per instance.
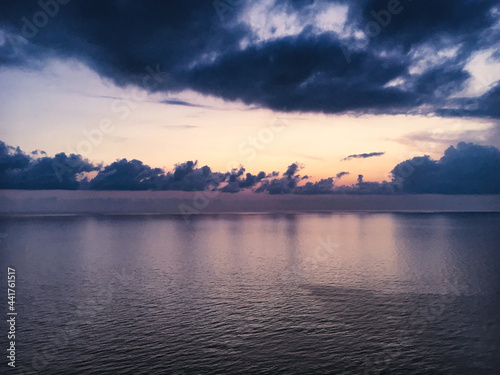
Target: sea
pixel 333 293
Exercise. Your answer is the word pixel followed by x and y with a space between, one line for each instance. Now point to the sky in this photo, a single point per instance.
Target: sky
pixel 333 86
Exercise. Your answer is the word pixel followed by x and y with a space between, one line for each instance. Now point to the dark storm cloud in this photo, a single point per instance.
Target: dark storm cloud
pixel 466 169
pixel 120 39
pixel 441 82
pixel 363 156
pixel 489 104
pixel 304 73
pixel 187 45
pixel 408 23
pixel 486 105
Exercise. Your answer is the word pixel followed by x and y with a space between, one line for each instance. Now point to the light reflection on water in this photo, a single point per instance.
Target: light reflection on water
pixel 257 294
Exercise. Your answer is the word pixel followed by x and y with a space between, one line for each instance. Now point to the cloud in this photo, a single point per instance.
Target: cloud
pixel 363 156
pixel 252 180
pixel 324 186
pixel 292 170
pixel 12 158
pixel 487 105
pixel 125 175
pixel 427 141
pixel 284 185
pixel 415 22
pixel 134 175
pixel 188 177
pixel 238 181
pixel 21 171
pixel 181 103
pixel 379 58
pixel 466 169
pixel 327 186
pixel 339 175
pixel 304 73
pixel 233 180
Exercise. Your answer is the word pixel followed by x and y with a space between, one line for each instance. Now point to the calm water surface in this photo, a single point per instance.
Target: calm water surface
pixel 255 294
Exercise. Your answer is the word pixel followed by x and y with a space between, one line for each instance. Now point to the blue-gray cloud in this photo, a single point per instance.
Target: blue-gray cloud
pixel 189 47
pixel 339 175
pixel 466 169
pixel 181 103
pixel 284 185
pixel 134 175
pixel 363 156
pixel 19 170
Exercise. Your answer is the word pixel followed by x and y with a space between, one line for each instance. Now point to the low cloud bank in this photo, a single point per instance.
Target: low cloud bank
pixel 465 169
pixel 19 170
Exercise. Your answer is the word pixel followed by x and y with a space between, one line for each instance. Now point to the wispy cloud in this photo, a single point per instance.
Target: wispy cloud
pixel 182 103
pixel 363 156
pixel 433 140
